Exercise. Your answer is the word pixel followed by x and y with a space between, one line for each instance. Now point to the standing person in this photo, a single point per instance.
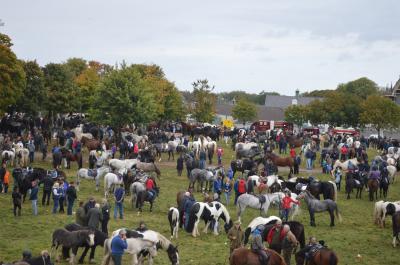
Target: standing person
pixel 6 181
pixel 236 236
pixel 275 237
pixel 94 217
pixel 286 205
pixel 179 165
pixel 296 165
pixel 2 173
pixel 80 215
pixel 226 136
pixel 187 206
pixel 34 197
pixel 71 197
pixel 113 150
pixel 292 152
pixel 90 204
pixel 288 244
pixel 44 150
pixel 31 148
pixel 309 155
pixel 61 191
pixel 343 153
pixel 47 187
pixel 218 187
pixel 17 201
pixel 119 195
pixel 56 196
pixel 202 159
pixel 118 246
pixel 220 153
pixel 241 188
pixel 105 210
pixel 227 190
pixel 230 173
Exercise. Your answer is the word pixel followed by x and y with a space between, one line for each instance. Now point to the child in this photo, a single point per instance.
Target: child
pixel 17 199
pixel 286 205
pixel 6 181
pixel 220 153
pixel 227 190
pixel 338 177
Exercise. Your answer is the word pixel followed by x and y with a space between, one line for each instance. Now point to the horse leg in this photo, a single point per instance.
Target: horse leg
pixel 332 217
pixel 151 205
pixel 83 255
pixel 312 218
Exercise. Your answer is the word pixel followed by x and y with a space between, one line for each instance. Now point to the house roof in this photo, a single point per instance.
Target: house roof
pixel 285 101
pixel 263 112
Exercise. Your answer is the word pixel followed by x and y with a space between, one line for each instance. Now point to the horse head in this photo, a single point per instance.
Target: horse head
pixel 90 235
pixel 173 254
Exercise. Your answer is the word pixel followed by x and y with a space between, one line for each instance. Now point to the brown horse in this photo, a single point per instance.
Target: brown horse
pixel 244 256
pixel 281 161
pixel 69 156
pixel 294 141
pixel 91 144
pixel 324 256
pixel 373 186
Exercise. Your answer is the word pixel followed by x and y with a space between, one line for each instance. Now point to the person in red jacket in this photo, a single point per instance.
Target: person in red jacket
pixel 150 186
pixel 292 152
pixel 275 237
pixel 286 201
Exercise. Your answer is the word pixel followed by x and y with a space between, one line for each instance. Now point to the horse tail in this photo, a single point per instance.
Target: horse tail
pixel 107 256
pixel 246 235
pixel 338 215
pixel 333 259
pixel 334 190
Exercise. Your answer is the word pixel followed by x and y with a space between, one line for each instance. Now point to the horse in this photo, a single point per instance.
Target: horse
pixel 246 150
pixel 242 165
pixel 281 161
pixel 316 206
pixel 95 174
pixel 99 238
pixel 211 150
pixel 344 165
pixel 261 203
pixel 91 144
pixel 8 155
pixel 209 212
pixel 296 227
pixel 256 222
pixel 122 164
pixel 323 256
pixel 392 173
pixel 199 175
pixel 173 219
pixel 384 185
pixel 69 156
pixel 172 145
pixel 147 167
pixel 353 182
pixel 382 208
pixel 43 259
pixel 190 163
pixel 72 240
pixel 373 186
pixel 327 188
pixel 135 188
pixel 244 256
pixel 145 196
pixel 111 179
pixel 22 156
pixel 396 228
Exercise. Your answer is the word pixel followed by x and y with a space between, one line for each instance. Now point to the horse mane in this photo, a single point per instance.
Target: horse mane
pixel 164 242
pixel 226 213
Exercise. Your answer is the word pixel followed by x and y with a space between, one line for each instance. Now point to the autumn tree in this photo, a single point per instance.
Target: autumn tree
pixel 244 111
pixel 205 100
pixel 297 114
pixel 380 112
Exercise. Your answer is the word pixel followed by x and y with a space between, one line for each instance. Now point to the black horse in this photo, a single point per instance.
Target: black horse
pixel 190 163
pixel 396 227
pixel 72 240
pixel 326 188
pixel 384 184
pixel 242 165
pixel 353 180
pixel 144 196
pixel 99 238
pixel 24 179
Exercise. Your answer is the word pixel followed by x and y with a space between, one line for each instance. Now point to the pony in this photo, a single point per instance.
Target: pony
pixel 344 165
pixel 95 174
pixel 392 173
pixel 323 256
pixel 384 185
pixel 116 164
pixel 99 238
pixel 242 165
pixel 135 188
pixel 43 259
pixel 261 203
pixel 72 240
pixel 173 219
pixel 200 175
pixel 147 167
pixel 91 144
pixel 112 179
pixel 8 155
pixel 296 227
pixel 69 156
pixel 382 208
pixel 244 256
pixel 172 145
pixel 316 206
pixel 281 161
pixel 22 156
pixel 246 150
pixel 373 186
pixel 256 222
pixel 328 189
pixel 144 196
pixel 209 212
pixel 353 182
pixel 211 150
pixel 396 228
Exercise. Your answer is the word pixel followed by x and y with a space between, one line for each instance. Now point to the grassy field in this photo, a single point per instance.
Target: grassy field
pixel 355 235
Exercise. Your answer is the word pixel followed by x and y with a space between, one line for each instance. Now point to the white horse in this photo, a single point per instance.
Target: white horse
pixel 112 179
pixel 95 174
pixel 249 200
pixel 22 156
pixel 259 221
pixel 380 211
pixel 122 164
pixel 135 188
pixel 344 165
pixel 8 155
pixel 392 173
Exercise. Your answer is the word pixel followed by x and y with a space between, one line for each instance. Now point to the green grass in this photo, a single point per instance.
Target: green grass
pixel 356 235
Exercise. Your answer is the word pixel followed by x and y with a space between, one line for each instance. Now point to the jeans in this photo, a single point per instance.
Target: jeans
pixel 61 204
pixel 118 206
pixel 70 206
pixel 55 207
pixel 202 164
pixel 46 197
pixel 17 206
pixel 34 207
pixel 219 160
pixel 5 185
pixel 309 163
pixel 285 214
pixel 31 156
pixel 117 259
pixel 227 197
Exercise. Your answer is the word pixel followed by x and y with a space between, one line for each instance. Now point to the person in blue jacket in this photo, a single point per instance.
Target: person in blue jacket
pixel 118 246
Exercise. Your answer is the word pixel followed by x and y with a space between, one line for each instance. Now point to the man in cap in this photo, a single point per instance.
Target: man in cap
pixel 118 245
pixel 275 237
pixel 235 235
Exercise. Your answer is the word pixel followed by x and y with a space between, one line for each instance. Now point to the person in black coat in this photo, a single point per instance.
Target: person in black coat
pixel 17 201
pixel 47 188
pixel 71 197
pixel 89 205
pixel 105 209
pixel 179 165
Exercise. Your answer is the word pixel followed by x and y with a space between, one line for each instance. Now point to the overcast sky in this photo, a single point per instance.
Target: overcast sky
pixel 237 45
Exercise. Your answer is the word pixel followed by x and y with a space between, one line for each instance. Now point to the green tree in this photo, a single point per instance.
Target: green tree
pixel 362 87
pixel 205 100
pixel 34 93
pixel 244 111
pixel 12 75
pixel 59 89
pixel 316 113
pixel 297 114
pixel 76 66
pixel 123 97
pixel 380 112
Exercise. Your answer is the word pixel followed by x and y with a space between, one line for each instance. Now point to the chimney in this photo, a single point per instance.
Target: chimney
pixel 297 93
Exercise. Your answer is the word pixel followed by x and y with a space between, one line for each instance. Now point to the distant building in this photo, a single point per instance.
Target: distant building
pixel 283 102
pixel 394 93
